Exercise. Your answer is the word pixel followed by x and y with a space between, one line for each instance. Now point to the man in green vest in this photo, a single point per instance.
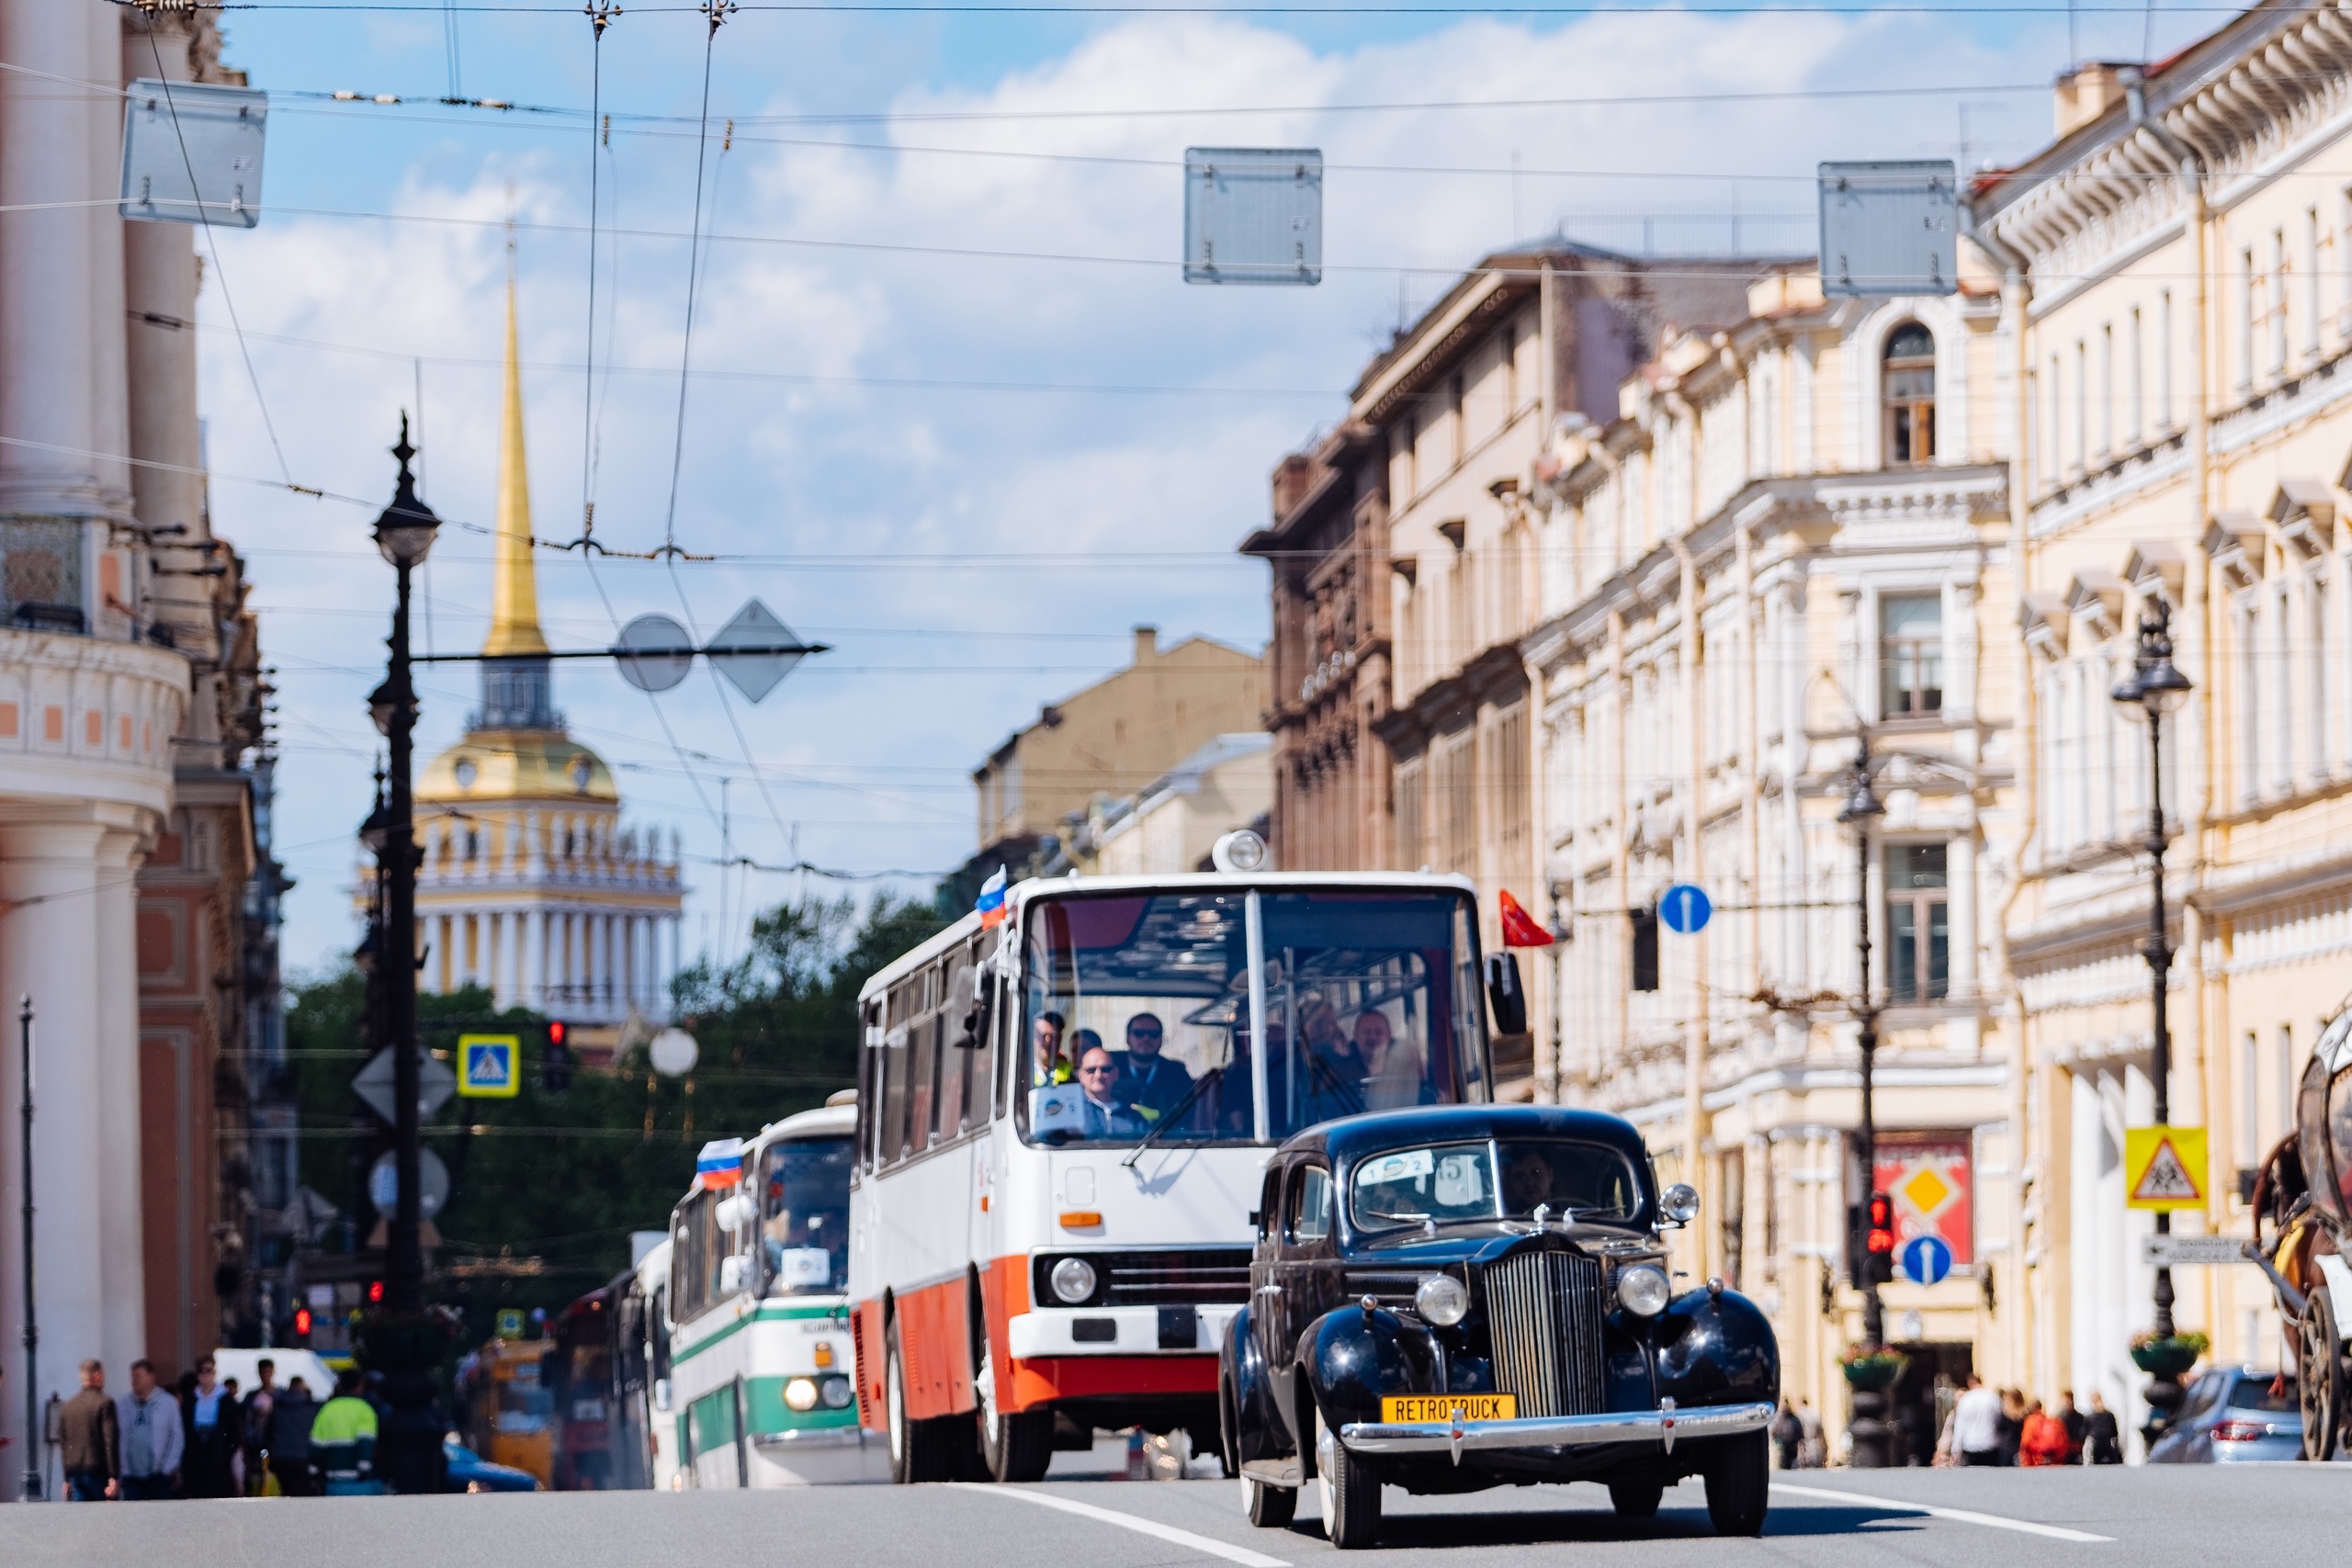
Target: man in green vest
pixel 343 1438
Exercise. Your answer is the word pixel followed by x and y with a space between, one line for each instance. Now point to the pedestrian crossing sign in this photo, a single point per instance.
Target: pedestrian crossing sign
pixel 2164 1167
pixel 489 1066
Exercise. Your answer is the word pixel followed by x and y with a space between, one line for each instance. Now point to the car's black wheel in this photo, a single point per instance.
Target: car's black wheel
pixel 2320 1376
pixel 1635 1499
pixel 1739 1483
pixel 1269 1507
pixel 1349 1488
pixel 919 1450
pixel 1013 1446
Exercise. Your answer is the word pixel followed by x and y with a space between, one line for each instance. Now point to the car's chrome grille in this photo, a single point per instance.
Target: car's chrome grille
pixel 1544 1313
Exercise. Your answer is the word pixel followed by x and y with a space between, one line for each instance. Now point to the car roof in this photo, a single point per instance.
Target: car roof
pixel 1352 1136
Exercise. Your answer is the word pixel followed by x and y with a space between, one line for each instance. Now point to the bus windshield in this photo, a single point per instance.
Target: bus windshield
pixel 804 1215
pixel 1137 1019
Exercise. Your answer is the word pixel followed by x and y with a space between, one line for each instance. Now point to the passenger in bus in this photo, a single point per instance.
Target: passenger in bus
pixel 1392 1070
pixel 1052 1066
pixel 1333 1068
pixel 1237 1087
pixel 1150 1082
pixel 1102 1114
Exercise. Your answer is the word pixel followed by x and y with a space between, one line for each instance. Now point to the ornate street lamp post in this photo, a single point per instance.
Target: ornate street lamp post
pixel 1873 1434
pixel 402 1344
pixel 2154 690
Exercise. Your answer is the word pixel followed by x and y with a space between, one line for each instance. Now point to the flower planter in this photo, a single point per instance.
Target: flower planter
pixel 2167 1358
pixel 1872 1373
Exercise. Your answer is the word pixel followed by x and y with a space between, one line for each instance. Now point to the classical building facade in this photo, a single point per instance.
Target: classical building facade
pixel 2188 358
pixel 1791 536
pixel 532 886
pixel 129 708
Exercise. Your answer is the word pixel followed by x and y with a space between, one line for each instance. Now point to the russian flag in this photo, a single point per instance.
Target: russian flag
pixel 721 1163
pixel 991 900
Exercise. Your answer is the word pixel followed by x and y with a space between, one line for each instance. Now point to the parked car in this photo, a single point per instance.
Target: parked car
pixel 2233 1415
pixel 1461 1297
pixel 468 1472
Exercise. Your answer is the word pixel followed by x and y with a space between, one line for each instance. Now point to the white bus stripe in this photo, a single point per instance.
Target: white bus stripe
pixel 1965 1516
pixel 1241 1555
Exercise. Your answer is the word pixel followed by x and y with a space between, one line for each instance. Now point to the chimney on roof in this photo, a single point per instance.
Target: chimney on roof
pixel 2088 91
pixel 1147 644
pixel 1293 476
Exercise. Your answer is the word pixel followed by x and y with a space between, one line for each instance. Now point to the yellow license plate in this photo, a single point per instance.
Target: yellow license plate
pixel 1413 1409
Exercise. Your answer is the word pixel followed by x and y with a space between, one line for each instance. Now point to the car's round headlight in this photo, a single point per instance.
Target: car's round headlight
pixel 1644 1290
pixel 801 1393
pixel 836 1392
pixel 1442 1300
pixel 1073 1280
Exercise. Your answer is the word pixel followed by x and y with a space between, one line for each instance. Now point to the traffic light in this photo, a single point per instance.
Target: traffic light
pixel 555 1072
pixel 301 1325
pixel 1877 1247
pixel 375 1292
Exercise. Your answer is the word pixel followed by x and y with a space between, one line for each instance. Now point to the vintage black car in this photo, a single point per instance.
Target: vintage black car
pixel 1462 1297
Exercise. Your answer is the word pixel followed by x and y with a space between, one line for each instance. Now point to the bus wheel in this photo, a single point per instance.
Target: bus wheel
pixel 917 1452
pixel 1016 1446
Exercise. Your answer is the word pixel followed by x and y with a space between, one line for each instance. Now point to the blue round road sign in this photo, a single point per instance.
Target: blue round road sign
pixel 1925 1259
pixel 1685 908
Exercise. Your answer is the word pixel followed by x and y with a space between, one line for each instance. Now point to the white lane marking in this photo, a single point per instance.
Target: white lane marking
pixel 1965 1516
pixel 1241 1555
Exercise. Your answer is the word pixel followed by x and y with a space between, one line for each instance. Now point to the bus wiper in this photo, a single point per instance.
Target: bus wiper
pixel 1175 1114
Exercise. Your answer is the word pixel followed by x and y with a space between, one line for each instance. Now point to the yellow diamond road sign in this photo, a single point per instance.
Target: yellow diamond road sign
pixel 2164 1167
pixel 1927 1191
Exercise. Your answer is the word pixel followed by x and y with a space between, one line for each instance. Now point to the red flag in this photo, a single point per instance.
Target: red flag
pixel 1519 929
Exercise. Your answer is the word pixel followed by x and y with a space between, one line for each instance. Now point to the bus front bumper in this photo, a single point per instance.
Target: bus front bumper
pixel 1119 1331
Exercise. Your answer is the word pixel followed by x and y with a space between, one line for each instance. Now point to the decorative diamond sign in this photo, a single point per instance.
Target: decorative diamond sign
pixel 434 1084
pixel 770 651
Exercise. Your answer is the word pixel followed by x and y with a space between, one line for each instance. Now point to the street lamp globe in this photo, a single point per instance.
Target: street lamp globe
pixel 2155 688
pixel 404 533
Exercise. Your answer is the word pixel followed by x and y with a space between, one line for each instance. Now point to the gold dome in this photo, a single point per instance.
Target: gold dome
pixel 517 764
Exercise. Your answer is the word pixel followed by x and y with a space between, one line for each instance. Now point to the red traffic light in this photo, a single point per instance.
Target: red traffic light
pixel 375 1292
pixel 301 1323
pixel 556 1030
pixel 1881 1223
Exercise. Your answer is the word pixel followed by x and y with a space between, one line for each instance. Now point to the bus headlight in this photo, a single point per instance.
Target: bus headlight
pixel 1644 1290
pixel 1442 1300
pixel 801 1393
pixel 1073 1280
pixel 836 1392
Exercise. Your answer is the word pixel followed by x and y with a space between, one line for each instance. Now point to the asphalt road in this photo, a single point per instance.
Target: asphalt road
pixel 2146 1519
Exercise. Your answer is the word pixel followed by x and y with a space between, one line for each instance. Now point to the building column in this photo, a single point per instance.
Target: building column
pixel 47 951
pixel 531 963
pixel 118 1174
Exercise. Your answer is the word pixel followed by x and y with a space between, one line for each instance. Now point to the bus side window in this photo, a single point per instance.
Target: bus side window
pixel 947 1030
pixel 895 1073
pixel 981 1057
pixel 869 1058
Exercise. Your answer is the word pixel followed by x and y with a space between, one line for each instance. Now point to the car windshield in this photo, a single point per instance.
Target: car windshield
pixel 1444 1183
pixel 1138 1016
pixel 804 1215
pixel 2271 1396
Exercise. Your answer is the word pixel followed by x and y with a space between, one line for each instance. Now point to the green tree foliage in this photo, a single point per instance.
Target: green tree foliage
pixel 545 1188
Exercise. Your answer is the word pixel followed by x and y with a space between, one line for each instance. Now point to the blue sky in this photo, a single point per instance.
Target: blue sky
pixel 969 551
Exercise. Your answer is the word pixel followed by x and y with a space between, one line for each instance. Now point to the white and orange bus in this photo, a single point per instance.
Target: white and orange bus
pixel 1063 1126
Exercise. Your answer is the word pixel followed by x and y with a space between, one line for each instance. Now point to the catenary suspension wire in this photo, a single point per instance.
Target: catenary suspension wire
pixel 716 11
pixel 600 17
pixel 212 245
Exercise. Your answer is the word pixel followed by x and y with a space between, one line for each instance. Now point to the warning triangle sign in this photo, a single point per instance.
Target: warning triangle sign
pixel 2165 1179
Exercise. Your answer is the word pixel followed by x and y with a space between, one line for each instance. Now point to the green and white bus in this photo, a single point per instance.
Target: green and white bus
pixel 760 1352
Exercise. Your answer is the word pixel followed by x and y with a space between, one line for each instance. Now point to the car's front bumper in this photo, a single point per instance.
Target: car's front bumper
pixel 1665 1427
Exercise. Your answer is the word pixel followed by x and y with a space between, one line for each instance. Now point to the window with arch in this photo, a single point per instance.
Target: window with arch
pixel 1907 388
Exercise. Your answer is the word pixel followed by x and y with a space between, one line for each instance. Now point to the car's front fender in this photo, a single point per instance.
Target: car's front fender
pixel 1259 1432
pixel 1716 1348
pixel 1352 1358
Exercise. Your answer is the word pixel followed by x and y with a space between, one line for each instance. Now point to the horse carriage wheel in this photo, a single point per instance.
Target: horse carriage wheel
pixel 2320 1376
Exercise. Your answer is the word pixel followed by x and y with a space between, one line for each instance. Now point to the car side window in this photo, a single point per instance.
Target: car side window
pixel 1270 1205
pixel 1310 1209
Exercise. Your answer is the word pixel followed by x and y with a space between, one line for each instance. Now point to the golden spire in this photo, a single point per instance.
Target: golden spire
pixel 514 591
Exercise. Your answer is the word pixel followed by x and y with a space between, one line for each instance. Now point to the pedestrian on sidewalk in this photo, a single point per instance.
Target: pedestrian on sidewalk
pixel 2077 1423
pixel 2012 1424
pixel 257 1408
pixel 289 1440
pixel 1976 1424
pixel 2043 1441
pixel 215 1432
pixel 90 1436
pixel 1788 1434
pixel 152 1440
pixel 1813 1453
pixel 2105 1437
